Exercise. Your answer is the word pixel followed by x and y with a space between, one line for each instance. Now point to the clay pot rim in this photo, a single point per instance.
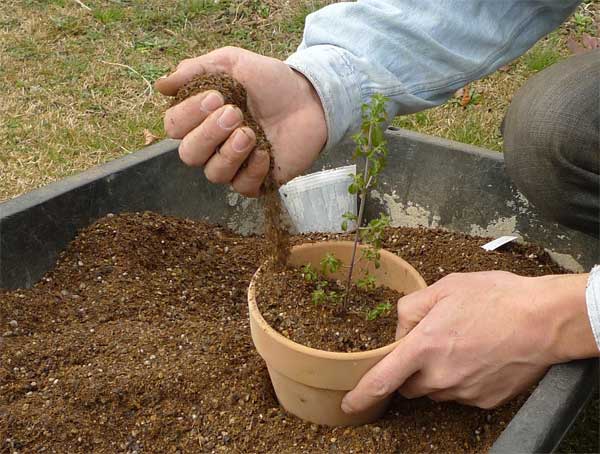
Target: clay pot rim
pixel 325 354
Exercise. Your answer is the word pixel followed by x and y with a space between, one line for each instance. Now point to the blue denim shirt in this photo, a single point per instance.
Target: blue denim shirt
pixel 415 52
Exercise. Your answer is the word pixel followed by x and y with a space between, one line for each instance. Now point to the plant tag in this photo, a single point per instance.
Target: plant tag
pixel 495 244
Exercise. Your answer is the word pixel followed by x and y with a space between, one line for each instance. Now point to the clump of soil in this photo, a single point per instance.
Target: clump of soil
pixel 138 341
pixel 284 301
pixel 276 230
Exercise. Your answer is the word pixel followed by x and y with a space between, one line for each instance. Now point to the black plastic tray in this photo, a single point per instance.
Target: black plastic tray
pixel 428 181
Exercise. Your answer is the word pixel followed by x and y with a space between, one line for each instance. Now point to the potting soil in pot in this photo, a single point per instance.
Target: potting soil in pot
pixel 285 301
pixel 138 341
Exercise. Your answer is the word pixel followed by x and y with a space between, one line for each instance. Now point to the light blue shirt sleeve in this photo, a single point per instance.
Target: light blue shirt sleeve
pixel 592 301
pixel 415 52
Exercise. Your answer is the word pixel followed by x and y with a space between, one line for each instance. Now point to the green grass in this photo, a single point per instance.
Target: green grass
pixel 583 23
pixel 540 58
pixel 109 15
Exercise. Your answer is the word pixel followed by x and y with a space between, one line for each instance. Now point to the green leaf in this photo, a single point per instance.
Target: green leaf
pixel 378 311
pixel 367 282
pixel 330 264
pixel 350 216
pixel 318 296
pixel 309 273
pixel 377 137
pixel 334 297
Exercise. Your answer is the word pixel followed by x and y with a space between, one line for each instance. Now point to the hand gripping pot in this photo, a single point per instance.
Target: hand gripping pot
pixel 311 383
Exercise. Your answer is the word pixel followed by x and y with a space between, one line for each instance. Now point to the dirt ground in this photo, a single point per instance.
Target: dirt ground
pixel 138 341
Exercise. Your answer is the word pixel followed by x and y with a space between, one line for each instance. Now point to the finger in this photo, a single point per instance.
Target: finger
pixel 414 307
pixel 222 166
pixel 414 387
pixel 218 61
pixel 185 116
pixel 249 179
pixel 384 378
pixel 444 395
pixel 199 145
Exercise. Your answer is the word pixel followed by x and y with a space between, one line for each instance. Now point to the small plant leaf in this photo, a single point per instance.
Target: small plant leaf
pixel 330 264
pixel 318 296
pixel 309 274
pixel 334 297
pixel 367 282
pixel 378 311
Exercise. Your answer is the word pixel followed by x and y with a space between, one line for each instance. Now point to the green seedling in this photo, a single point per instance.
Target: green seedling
pixel 319 296
pixel 378 311
pixel 370 146
pixel 309 274
pixel 367 282
pixel 330 264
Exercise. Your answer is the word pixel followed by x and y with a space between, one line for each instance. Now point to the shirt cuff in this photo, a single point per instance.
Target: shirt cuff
pixel 337 84
pixel 592 301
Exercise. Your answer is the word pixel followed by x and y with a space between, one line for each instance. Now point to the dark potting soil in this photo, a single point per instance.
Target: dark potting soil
pixel 284 300
pixel 138 341
pixel 276 228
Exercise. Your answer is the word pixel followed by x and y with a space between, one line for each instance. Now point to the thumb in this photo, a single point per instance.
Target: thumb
pixel 384 378
pixel 218 61
pixel 414 307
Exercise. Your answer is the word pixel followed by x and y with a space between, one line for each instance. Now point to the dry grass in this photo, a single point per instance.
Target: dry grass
pixel 66 105
pixel 75 75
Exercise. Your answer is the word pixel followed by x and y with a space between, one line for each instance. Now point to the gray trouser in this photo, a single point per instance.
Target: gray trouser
pixel 552 142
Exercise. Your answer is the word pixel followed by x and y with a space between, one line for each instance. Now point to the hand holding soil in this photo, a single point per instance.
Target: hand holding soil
pixel 281 100
pixel 480 339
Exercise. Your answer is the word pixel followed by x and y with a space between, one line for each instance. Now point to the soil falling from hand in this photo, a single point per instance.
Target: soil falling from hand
pixel 276 231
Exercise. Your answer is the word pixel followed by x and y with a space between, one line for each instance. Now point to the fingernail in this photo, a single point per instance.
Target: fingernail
pixel 230 118
pixel 211 102
pixel 346 408
pixel 241 141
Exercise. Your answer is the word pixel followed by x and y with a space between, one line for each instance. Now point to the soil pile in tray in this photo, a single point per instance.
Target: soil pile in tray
pixel 138 341
pixel 276 229
pixel 284 300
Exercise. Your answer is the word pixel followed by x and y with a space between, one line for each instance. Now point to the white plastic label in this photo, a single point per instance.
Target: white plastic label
pixel 495 244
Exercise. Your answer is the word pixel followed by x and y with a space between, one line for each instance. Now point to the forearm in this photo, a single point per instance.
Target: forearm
pixel 415 52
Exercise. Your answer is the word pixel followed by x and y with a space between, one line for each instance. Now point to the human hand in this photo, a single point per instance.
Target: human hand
pixel 283 102
pixel 480 339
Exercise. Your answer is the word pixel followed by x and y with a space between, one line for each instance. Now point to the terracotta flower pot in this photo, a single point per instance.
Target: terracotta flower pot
pixel 311 383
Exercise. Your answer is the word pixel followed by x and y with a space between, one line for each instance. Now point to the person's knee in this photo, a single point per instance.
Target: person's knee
pixel 551 140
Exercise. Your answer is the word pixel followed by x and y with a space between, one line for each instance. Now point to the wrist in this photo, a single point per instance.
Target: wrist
pixel 565 312
pixel 337 83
